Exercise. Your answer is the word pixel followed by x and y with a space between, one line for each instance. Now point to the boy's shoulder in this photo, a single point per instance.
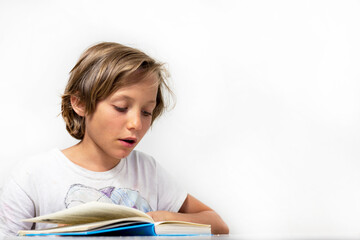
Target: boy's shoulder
pixel 35 169
pixel 37 162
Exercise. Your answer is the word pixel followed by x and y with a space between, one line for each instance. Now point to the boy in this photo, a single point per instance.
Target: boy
pixel 113 95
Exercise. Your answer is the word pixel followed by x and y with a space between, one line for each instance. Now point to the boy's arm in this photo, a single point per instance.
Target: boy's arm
pixel 194 210
pixel 15 205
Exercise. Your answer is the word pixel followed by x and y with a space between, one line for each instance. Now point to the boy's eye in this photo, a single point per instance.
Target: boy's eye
pixel 124 109
pixel 147 114
pixel 120 109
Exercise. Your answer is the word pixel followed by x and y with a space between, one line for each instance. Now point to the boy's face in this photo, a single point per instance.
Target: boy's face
pixel 121 120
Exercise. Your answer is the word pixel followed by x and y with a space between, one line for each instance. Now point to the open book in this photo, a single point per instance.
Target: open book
pixel 105 219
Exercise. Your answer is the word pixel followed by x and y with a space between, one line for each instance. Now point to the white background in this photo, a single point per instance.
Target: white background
pixel 266 129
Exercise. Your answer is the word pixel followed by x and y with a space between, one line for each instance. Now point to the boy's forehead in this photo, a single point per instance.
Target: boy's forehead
pixel 119 96
pixel 146 90
pixel 145 84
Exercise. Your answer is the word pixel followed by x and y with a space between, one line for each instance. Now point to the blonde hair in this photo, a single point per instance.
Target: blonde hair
pixel 101 70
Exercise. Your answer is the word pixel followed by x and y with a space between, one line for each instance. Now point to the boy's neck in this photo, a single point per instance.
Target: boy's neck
pixel 90 158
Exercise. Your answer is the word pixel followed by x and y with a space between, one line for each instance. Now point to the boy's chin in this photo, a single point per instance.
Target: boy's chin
pixel 123 154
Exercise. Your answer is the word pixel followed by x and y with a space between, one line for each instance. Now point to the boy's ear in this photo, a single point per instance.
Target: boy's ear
pixel 77 105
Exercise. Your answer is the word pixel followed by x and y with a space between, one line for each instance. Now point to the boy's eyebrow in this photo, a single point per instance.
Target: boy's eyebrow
pixel 120 97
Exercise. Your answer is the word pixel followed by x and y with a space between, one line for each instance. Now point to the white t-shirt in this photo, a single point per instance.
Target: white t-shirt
pixel 50 182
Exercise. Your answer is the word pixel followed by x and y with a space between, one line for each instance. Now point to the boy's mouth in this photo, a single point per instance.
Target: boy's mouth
pixel 129 142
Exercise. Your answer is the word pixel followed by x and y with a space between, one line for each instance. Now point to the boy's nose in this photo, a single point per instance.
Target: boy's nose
pixel 134 121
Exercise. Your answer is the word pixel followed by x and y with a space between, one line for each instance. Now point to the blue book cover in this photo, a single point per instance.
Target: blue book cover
pixel 144 229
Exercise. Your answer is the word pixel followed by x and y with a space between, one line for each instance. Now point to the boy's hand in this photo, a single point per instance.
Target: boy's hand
pixel 159 216
pixel 62 225
pixel 193 210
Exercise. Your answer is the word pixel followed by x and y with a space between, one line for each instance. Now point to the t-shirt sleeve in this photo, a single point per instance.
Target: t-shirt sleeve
pixel 15 205
pixel 171 195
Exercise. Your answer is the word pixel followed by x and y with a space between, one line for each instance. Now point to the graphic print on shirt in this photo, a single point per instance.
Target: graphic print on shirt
pixel 79 194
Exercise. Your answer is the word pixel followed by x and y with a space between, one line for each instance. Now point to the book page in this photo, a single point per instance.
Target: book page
pixel 87 226
pixel 90 212
pixel 180 228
